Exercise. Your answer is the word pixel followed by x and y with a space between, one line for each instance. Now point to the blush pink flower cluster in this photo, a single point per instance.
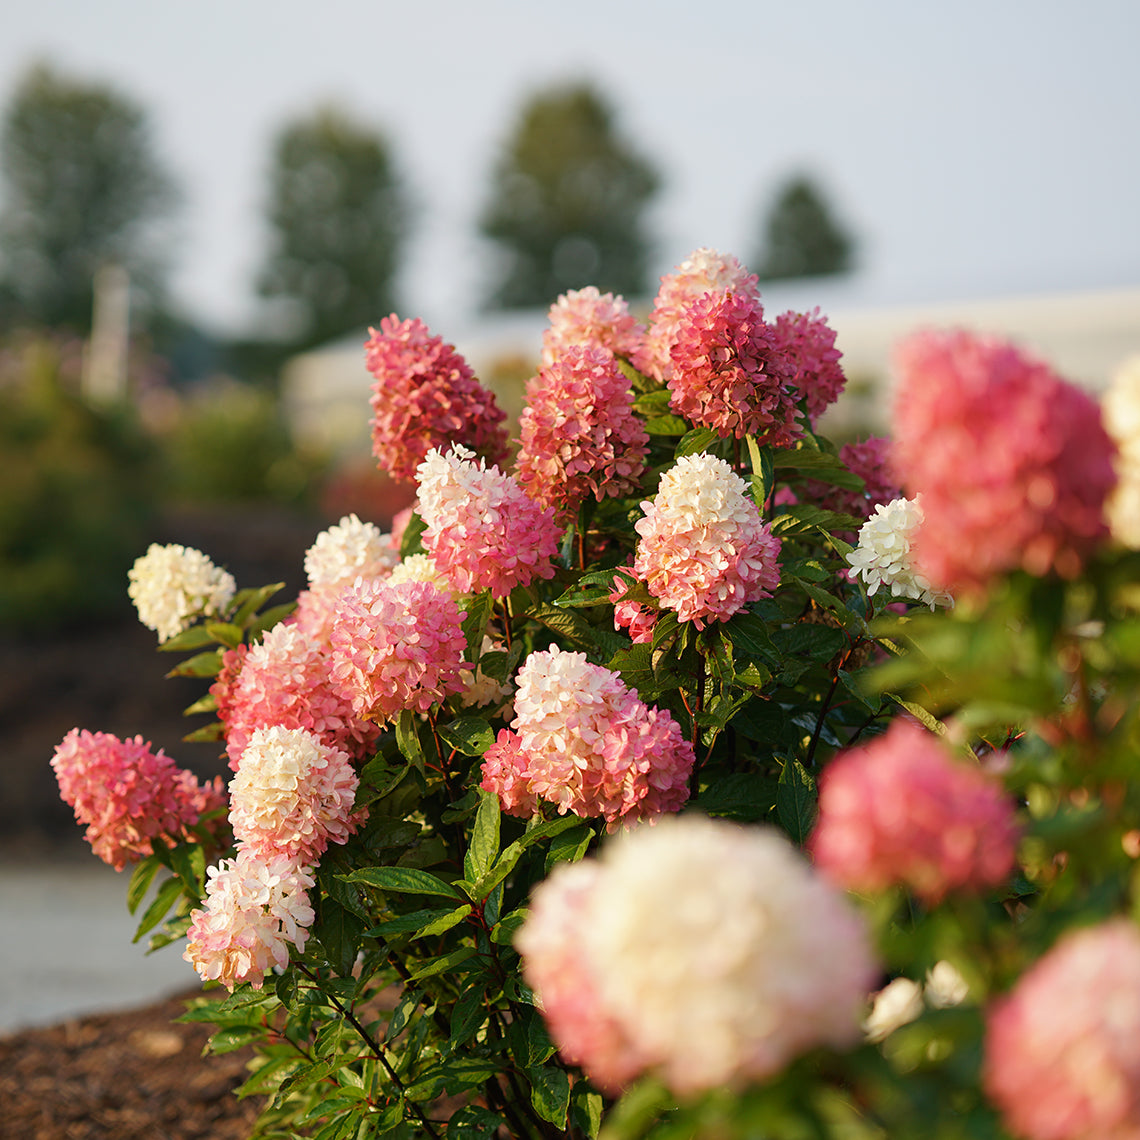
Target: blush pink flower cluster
pixel 425 395
pixel 584 742
pixel 578 434
pixel 1062 1050
pixel 397 647
pixel 285 680
pixel 630 615
pixel 703 549
pixel 255 910
pixel 727 373
pixel 128 795
pixel 481 528
pixel 705 953
pixel 903 810
pixel 292 795
pixel 806 343
pixel 1013 463
pixel 585 318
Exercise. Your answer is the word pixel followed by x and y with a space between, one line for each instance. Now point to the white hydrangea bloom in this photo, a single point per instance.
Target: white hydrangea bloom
pixel 898 1003
pixel 349 550
pixel 1121 411
pixel 883 556
pixel 482 690
pixel 172 585
pixel 945 986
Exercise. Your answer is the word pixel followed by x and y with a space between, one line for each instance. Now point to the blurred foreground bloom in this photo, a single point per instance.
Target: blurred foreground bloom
pixel 1062 1052
pixel 884 555
pixel 704 551
pixel 128 795
pixel 585 742
pixel 704 952
pixel 1013 463
pixel 172 585
pixel 255 910
pixel 902 810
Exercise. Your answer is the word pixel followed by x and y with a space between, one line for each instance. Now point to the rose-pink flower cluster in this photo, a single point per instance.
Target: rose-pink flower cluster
pixel 426 396
pixel 1013 463
pixel 578 434
pixel 703 952
pixel 585 318
pixel 703 550
pixel 585 742
pixel 629 615
pixel 481 528
pixel 128 795
pixel 806 343
pixel 397 647
pixel 255 909
pixel 1062 1050
pixel 903 810
pixel 285 681
pixel 292 795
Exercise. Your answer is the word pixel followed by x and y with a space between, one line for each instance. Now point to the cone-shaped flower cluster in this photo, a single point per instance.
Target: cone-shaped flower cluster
pixel 585 318
pixel 173 585
pixel 349 550
pixel 885 557
pixel 806 344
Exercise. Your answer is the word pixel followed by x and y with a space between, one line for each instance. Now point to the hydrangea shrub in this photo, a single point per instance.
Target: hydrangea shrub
pixel 685 775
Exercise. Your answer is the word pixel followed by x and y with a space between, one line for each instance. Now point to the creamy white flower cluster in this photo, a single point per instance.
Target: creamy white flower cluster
pixel 172 585
pixel 1121 410
pixel 884 556
pixel 349 550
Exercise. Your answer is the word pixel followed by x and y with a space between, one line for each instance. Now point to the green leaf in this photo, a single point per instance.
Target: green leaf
pixel 550 1093
pixel 666 425
pixel 484 847
pixel 248 602
pixel 468 1013
pixel 804 517
pixel 479 610
pixel 411 540
pixel 168 894
pixel 572 626
pixel 339 931
pixel 796 801
pixel 200 665
pixel 235 1037
pixel 746 796
pixel 591 589
pixel 586 1109
pixel 474 1123
pixel 206 704
pixel 406 880
pixel 443 964
pixel 653 403
pixel 195 637
pixel 810 640
pixel 749 635
pixel 408 739
pixel 569 846
pixel 696 441
pixel 820 465
pixel 919 713
pixel 206 734
pixel 763 475
pixel 224 632
pixel 141 878
pixel 469 735
pixel 269 618
pixel 414 922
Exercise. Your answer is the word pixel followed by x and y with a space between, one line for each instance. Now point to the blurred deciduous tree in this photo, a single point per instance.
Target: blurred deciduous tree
pixel 802 238
pixel 80 187
pixel 338 217
pixel 567 203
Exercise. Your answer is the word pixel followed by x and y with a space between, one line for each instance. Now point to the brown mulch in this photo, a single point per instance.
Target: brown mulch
pixel 137 1075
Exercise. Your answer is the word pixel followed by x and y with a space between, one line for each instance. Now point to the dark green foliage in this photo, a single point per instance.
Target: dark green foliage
pixel 802 238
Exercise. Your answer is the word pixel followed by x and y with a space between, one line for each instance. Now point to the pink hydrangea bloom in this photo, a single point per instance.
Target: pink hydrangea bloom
pixel 284 680
pixel 703 271
pixel 902 810
pixel 426 396
pixel 585 318
pixel 579 436
pixel 255 909
pixel 586 743
pixel 697 950
pixel 1012 462
pixel 397 647
pixel 482 529
pixel 807 344
pixel 128 795
pixel 727 374
pixel 292 795
pixel 638 619
pixel 869 460
pixel 316 611
pixel 1062 1051
pixel 703 549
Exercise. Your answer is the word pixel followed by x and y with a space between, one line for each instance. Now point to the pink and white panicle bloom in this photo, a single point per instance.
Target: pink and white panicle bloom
pixel 698 950
pixel 704 551
pixel 285 681
pixel 172 585
pixel 585 742
pixel 585 318
pixel 426 396
pixel 807 344
pixel 255 909
pixel 884 557
pixel 629 615
pixel 128 795
pixel 703 271
pixel 1121 410
pixel 482 529
pixel 579 436
pixel 349 550
pixel 903 810
pixel 1013 463
pixel 292 795
pixel 1062 1051
pixel 397 647
pixel 727 373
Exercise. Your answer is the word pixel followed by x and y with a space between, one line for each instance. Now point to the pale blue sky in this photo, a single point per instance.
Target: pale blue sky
pixel 982 148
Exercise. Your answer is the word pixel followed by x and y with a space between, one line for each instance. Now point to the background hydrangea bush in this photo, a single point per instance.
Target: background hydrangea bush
pixel 682 775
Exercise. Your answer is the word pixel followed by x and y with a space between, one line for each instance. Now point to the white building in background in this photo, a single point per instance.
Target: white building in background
pixel 1084 336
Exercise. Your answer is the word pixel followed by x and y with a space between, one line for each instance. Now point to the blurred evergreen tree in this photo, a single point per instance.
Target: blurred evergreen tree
pixel 801 236
pixel 567 203
pixel 338 217
pixel 80 187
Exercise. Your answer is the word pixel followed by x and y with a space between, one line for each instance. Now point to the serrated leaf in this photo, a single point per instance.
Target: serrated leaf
pixel 796 801
pixel 442 964
pixel 804 517
pixel 141 878
pixel 168 893
pixel 572 626
pixel 225 632
pixel 469 735
pixel 193 638
pixel 484 848
pixel 200 665
pixel 550 1093
pixel 406 880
